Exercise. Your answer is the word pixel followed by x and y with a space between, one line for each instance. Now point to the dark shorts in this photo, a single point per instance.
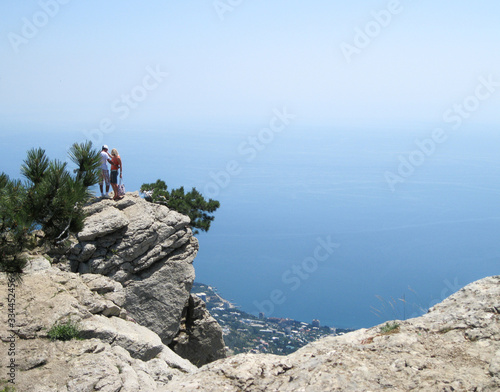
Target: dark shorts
pixel 114 176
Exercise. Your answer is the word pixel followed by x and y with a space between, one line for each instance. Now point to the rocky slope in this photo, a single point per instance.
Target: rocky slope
pixel 116 354
pixel 126 285
pixel 125 282
pixel 149 249
pixel 455 347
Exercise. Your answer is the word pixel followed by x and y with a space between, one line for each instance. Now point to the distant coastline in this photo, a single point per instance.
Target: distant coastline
pixel 245 333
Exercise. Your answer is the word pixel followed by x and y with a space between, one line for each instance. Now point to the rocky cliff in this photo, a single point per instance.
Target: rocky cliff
pixel 125 284
pixel 149 249
pixel 455 347
pixel 115 353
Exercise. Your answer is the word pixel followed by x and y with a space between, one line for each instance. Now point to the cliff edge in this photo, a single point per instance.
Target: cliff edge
pixel 454 347
pixel 149 249
pixel 114 353
pixel 125 284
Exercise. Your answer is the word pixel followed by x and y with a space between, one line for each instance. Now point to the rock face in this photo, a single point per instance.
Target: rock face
pixel 148 249
pixel 116 354
pixel 455 347
pixel 198 339
pixel 131 303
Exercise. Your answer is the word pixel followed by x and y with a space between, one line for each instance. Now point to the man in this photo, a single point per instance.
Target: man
pixel 104 174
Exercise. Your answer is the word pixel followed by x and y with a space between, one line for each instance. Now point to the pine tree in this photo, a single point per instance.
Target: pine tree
pixel 192 203
pixel 55 198
pixel 15 225
pixel 88 161
pixel 51 200
pixel 58 202
pixel 35 165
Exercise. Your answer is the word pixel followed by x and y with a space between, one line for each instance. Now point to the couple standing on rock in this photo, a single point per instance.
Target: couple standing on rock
pixel 116 163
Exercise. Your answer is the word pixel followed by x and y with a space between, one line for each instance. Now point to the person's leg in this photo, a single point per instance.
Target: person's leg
pixel 101 178
pixel 114 183
pixel 106 179
pixel 115 191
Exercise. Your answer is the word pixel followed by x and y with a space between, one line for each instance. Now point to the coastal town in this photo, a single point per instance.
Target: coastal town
pixel 246 333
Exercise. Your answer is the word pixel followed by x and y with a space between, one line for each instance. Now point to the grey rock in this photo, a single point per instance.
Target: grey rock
pixel 176 362
pixel 159 300
pixel 86 253
pixel 455 347
pixel 148 250
pixel 200 339
pixel 494 367
pixel 37 263
pixel 139 341
pixel 103 223
pixel 117 355
pixel 101 284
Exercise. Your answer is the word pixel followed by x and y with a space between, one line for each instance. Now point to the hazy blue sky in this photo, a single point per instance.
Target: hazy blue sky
pixel 74 61
pixel 225 68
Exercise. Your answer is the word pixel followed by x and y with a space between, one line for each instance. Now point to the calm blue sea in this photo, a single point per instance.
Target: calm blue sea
pixel 309 227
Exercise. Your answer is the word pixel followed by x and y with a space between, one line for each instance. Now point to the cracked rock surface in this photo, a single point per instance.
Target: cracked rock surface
pixel 146 247
pixel 149 249
pixel 454 347
pixel 116 354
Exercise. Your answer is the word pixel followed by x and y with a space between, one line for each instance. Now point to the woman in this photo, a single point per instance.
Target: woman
pixel 116 163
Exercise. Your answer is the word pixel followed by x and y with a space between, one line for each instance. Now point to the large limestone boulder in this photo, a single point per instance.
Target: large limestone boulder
pixel 104 222
pixel 149 250
pixel 146 247
pixel 455 347
pixel 141 342
pixel 116 354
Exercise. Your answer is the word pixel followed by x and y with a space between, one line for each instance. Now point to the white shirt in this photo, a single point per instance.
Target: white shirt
pixel 104 160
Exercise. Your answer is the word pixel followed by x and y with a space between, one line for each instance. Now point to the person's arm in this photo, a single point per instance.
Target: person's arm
pixel 121 166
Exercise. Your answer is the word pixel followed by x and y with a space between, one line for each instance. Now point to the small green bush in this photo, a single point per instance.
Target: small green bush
pixel 66 331
pixel 6 386
pixel 389 328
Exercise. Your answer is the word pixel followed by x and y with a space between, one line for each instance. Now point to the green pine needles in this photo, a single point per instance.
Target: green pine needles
pixel 87 161
pixel 192 203
pixel 15 225
pixel 51 199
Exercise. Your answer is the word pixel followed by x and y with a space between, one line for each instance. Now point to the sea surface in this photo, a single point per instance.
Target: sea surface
pixel 309 226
